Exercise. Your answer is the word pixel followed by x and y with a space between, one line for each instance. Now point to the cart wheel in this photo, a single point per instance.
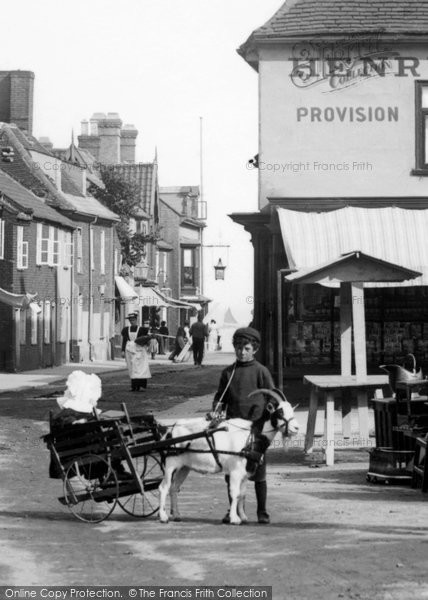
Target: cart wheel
pixel 91 489
pixel 139 505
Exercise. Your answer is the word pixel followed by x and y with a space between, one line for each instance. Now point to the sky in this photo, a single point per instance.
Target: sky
pixel 162 65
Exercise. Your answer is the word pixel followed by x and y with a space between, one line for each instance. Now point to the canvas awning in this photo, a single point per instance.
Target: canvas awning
pixel 174 303
pixel 395 235
pixel 126 292
pixel 16 300
pixel 149 296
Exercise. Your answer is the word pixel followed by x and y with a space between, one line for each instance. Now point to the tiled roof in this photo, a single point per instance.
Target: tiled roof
pixel 88 205
pixel 316 17
pixel 28 202
pixel 144 176
pixel 68 186
pixel 24 170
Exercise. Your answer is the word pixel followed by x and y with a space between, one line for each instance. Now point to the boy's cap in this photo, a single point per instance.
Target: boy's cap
pixel 247 333
pixel 132 316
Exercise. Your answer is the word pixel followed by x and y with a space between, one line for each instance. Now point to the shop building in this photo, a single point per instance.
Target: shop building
pixel 343 165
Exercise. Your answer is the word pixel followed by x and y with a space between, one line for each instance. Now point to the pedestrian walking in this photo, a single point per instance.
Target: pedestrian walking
pixel 236 383
pixel 135 350
pixel 180 342
pixel 198 333
pixel 212 335
pixel 153 346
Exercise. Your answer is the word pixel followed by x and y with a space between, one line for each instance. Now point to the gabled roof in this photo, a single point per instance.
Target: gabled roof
pixel 297 18
pixel 26 201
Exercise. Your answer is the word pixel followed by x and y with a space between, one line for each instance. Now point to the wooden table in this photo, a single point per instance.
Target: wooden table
pixel 328 385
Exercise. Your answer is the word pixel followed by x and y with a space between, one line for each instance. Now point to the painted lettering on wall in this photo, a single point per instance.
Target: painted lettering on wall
pixel 349 114
pixel 347 62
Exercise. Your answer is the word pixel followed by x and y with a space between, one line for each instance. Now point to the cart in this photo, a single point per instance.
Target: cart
pixel 91 459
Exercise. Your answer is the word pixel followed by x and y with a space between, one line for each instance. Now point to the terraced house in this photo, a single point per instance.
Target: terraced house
pixel 343 166
pixel 62 248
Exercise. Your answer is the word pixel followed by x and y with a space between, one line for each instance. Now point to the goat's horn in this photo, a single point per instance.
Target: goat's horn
pixel 268 392
pixel 296 406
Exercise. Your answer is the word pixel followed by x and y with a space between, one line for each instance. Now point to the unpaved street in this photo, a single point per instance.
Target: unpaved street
pixel 332 534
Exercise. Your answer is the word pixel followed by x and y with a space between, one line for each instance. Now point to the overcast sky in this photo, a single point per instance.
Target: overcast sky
pixel 161 64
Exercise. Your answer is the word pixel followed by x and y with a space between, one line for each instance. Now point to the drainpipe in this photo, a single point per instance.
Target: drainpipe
pixel 91 300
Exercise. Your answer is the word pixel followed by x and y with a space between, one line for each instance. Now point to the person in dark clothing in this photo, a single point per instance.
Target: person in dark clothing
pixel 163 341
pixel 198 333
pixel 236 382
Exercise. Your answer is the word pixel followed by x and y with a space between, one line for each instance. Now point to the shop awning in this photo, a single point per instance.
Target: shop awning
pixel 126 292
pixel 392 234
pixel 174 303
pixel 16 300
pixel 149 296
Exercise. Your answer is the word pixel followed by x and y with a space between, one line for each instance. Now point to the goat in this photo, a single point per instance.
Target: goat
pixel 221 451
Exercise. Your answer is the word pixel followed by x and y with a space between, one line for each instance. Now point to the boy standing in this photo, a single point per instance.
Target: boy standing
pixel 236 382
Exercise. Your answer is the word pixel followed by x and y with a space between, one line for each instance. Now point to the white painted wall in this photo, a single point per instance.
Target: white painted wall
pixel 301 156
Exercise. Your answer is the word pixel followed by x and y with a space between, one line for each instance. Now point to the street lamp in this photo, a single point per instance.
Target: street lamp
pixel 219 269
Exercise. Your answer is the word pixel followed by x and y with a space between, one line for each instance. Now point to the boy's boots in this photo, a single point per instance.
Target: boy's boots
pixel 261 493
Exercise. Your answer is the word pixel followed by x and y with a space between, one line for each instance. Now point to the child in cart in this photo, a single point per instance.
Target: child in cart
pixel 78 404
pixel 236 382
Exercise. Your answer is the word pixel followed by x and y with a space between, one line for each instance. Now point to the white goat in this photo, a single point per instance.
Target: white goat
pixel 198 455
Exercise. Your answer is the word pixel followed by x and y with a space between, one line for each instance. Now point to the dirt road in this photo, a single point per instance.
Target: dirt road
pixel 332 535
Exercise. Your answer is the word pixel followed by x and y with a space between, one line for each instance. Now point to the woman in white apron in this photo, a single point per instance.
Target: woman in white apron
pixel 135 352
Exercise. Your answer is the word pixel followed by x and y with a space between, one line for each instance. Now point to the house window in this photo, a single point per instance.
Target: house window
pixel 67 259
pixel 189 269
pixel 79 249
pixel 22 249
pixel 1 238
pixel 102 252
pixel 48 245
pixel 116 261
pixel 161 267
pixel 421 120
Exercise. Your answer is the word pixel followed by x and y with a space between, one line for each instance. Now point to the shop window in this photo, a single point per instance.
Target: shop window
pixel 421 121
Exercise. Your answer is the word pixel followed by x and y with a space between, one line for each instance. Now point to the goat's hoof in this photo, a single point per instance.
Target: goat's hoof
pixel 163 519
pixel 177 518
pixel 235 521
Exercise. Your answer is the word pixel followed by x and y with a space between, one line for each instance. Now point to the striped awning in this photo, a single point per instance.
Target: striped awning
pixel 392 234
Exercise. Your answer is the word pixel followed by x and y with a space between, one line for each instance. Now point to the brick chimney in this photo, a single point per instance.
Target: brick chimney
pixel 128 140
pixel 109 134
pixel 16 98
pixel 89 138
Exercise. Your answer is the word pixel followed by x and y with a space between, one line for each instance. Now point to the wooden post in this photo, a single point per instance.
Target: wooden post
pixel 346 328
pixel 359 322
pixel 312 417
pixel 280 353
pixel 329 428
